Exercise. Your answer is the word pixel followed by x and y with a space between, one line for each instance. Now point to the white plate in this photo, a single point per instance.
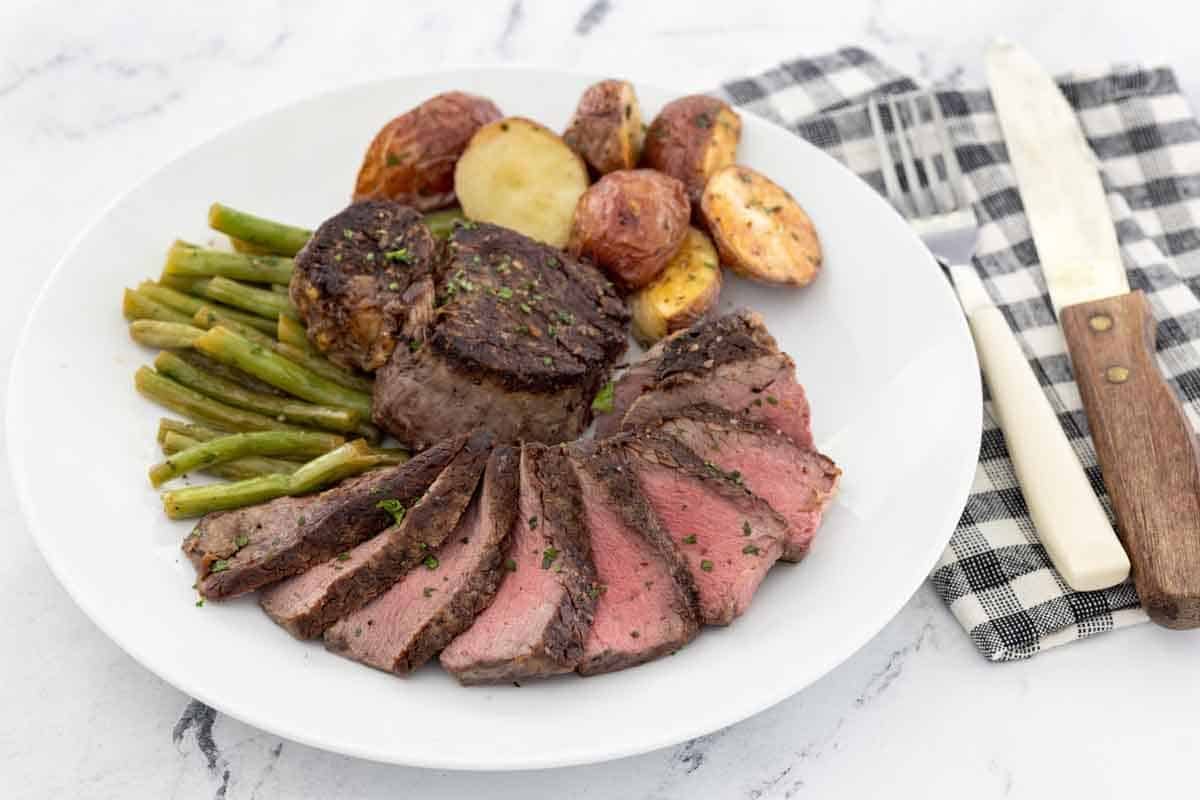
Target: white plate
pixel 878 340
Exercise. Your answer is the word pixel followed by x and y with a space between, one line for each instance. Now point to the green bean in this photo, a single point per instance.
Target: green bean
pixel 273 236
pixel 240 246
pixel 207 318
pixel 262 302
pixel 441 223
pixel 191 430
pixel 198 262
pixel 194 501
pixel 182 400
pixel 137 305
pixel 203 362
pixel 283 409
pixel 324 367
pixel 241 445
pixel 228 347
pixel 190 304
pixel 290 331
pixel 236 470
pixel 153 333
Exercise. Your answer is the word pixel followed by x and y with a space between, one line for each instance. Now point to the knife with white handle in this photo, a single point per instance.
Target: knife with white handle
pixel 1070 522
pixel 1144 443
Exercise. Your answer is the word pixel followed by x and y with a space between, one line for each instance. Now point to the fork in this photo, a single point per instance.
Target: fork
pixel 1062 505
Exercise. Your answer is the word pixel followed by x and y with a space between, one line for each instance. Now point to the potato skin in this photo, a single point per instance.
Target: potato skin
pixel 519 174
pixel 690 139
pixel 606 128
pixel 631 222
pixel 761 232
pixel 686 290
pixel 412 158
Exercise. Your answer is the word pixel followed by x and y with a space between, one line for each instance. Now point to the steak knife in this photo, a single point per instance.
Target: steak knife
pixel 1145 445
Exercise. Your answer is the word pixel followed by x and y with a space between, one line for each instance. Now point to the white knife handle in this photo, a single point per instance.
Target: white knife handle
pixel 1066 512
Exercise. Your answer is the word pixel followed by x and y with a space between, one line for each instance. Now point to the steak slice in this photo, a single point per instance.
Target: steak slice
pixel 733 363
pixel 309 603
pixel 238 551
pixel 729 536
pixel 647 605
pixel 632 384
pixel 409 623
pixel 798 482
pixel 365 281
pixel 524 337
pixel 538 622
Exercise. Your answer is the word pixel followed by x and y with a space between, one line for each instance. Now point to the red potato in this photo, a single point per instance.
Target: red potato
pixel 692 138
pixel 631 222
pixel 412 159
pixel 606 129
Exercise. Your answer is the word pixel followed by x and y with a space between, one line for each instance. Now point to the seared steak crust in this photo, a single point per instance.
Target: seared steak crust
pixel 365 281
pixel 238 551
pixel 308 604
pixel 524 337
pixel 739 336
pixel 411 622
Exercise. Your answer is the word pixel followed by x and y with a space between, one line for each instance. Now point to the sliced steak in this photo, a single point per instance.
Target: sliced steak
pixel 309 603
pixel 238 551
pixel 539 620
pixel 733 363
pixel 798 482
pixel 365 281
pixel 647 605
pixel 409 623
pixel 524 337
pixel 633 383
pixel 729 536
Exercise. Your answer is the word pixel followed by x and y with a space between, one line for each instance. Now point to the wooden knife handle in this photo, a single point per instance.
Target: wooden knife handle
pixel 1146 449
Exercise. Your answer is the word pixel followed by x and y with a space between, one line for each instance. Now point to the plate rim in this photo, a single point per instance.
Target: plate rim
pixel 700 724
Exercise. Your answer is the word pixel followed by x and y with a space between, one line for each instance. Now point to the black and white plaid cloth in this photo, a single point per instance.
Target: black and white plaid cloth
pixel 995 575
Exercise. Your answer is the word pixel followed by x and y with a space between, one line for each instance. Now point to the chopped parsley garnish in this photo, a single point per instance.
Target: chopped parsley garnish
pixel 706 565
pixel 391 159
pixel 414 346
pixel 200 603
pixel 521 329
pixel 703 120
pixel 597 589
pixel 401 255
pixel 689 539
pixel 525 307
pixel 393 507
pixel 242 540
pixel 750 550
pixel 343 556
pixel 746 531
pixel 347 233
pixel 772 400
pixel 533 522
pixel 428 591
pixel 219 566
pixel 504 293
pixel 510 564
pixel 602 403
pixel 430 562
pixel 548 556
pixel 394 286
pixel 553 263
pixel 548 361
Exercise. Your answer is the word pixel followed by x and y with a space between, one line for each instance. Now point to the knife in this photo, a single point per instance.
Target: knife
pixel 1144 443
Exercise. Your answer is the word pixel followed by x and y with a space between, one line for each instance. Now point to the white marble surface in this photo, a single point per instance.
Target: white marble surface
pixel 94 97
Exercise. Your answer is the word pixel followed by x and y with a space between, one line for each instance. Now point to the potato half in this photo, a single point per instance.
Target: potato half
pixel 630 223
pixel 521 175
pixel 606 129
pixel 691 138
pixel 761 232
pixel 412 158
pixel 682 293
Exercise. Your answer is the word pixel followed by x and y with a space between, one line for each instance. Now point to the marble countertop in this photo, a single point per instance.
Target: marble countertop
pixel 93 98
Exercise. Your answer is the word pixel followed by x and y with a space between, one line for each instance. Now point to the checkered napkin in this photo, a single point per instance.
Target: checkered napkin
pixel 995 575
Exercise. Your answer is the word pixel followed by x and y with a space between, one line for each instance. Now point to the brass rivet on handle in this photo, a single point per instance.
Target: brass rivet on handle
pixel 1100 322
pixel 1116 374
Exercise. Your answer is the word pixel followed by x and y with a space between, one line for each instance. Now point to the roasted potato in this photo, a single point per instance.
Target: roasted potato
pixel 690 139
pixel 606 129
pixel 412 158
pixel 760 231
pixel 521 175
pixel 631 222
pixel 683 293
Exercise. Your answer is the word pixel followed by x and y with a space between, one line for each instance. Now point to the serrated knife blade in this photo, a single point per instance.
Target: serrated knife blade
pixel 1060 184
pixel 1145 445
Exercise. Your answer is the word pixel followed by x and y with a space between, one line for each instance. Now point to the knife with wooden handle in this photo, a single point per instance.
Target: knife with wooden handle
pixel 1145 445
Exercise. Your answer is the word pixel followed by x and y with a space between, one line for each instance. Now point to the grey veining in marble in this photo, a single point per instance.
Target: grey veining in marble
pixel 94 96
